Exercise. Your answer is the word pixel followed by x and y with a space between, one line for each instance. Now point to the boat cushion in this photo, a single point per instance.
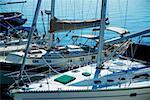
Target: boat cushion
pixel 64 79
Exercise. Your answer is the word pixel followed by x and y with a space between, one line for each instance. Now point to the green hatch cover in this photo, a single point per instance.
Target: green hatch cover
pixel 64 79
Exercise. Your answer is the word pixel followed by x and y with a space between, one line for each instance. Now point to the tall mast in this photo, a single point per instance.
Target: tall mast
pixel 52 9
pixel 30 37
pixel 52 17
pixel 48 12
pixel 101 41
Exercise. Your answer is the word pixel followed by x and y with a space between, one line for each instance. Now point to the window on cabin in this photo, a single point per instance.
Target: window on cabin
pixel 93 57
pixel 70 60
pixel 97 82
pixel 49 61
pixel 35 61
pixel 122 78
pixel 110 80
pixel 81 59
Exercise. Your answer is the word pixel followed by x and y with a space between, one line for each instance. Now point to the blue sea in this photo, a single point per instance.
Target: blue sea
pixel 133 15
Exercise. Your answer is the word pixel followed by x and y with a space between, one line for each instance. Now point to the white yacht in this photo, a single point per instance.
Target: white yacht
pixel 114 79
pixel 73 55
pixel 119 79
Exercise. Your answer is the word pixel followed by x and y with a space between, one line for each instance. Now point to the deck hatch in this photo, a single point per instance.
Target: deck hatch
pixel 64 79
pixel 86 74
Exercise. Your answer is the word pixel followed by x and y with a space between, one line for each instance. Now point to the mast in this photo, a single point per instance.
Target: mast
pixel 30 37
pixel 48 12
pixel 101 41
pixel 52 17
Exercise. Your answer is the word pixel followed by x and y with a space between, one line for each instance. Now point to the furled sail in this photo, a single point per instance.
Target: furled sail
pixel 57 25
pixel 118 30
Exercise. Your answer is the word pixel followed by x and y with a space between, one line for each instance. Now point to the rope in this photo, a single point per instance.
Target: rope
pixel 66 35
pixel 96 8
pixel 126 12
pixel 22 7
pixel 82 14
pixel 50 66
pixel 118 49
pixel 89 8
pixel 120 12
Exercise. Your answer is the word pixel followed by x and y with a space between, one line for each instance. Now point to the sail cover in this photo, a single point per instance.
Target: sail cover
pixel 88 36
pixel 57 25
pixel 118 30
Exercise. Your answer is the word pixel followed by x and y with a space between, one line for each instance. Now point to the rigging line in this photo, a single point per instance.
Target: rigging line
pixel 119 2
pixel 90 2
pixel 22 7
pixel 50 66
pixel 67 12
pixel 108 11
pixel 82 9
pixel 46 3
pixel 62 13
pixel 134 50
pixel 74 10
pixel 82 14
pixel 59 40
pixel 11 26
pixel 96 9
pixel 126 12
pixel 33 5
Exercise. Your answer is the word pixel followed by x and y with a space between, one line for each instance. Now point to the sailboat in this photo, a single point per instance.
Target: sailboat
pixel 13 36
pixel 114 79
pixel 13 18
pixel 67 56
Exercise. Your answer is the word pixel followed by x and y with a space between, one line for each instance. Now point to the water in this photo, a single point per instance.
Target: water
pixel 134 15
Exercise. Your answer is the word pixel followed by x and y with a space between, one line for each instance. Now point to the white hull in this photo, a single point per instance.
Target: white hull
pixel 7 49
pixel 57 62
pixel 54 62
pixel 112 94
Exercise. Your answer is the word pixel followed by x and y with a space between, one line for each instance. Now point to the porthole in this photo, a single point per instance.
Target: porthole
pixel 49 61
pixel 97 82
pixel 81 59
pixel 75 71
pixel 93 57
pixel 122 78
pixel 145 76
pixel 110 80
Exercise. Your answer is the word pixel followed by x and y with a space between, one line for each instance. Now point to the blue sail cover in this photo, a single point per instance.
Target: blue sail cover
pixel 11 19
